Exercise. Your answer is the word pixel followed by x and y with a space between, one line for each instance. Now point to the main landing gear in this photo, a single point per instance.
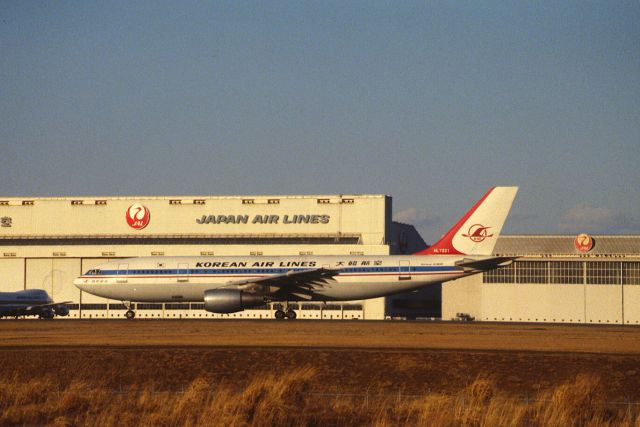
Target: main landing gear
pixel 130 314
pixel 288 313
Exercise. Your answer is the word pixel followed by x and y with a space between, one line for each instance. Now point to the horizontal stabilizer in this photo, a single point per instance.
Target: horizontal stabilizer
pixel 485 264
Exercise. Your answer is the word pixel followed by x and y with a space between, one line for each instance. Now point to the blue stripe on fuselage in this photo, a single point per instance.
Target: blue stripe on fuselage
pixel 259 271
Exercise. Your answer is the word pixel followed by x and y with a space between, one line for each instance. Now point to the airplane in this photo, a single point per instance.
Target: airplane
pixel 233 283
pixel 31 302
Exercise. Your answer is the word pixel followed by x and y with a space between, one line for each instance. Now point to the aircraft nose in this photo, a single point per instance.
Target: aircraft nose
pixel 79 282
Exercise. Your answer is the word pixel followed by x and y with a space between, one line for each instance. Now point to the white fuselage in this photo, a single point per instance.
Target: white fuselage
pixel 167 279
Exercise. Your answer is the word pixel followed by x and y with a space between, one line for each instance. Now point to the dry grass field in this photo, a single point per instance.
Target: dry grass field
pixel 316 373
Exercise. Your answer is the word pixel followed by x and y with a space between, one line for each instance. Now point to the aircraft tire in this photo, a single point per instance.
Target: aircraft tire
pixel 130 314
pixel 47 315
pixel 290 314
pixel 280 315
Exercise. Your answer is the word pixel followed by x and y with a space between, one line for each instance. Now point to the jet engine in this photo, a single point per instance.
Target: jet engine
pixel 61 310
pixel 230 300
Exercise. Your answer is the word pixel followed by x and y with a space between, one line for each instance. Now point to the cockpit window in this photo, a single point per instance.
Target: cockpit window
pixel 94 272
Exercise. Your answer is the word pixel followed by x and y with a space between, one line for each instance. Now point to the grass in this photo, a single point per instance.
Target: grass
pixel 290 400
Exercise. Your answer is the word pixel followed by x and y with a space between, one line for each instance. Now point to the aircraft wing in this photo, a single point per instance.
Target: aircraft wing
pixel 299 283
pixel 486 263
pixel 51 304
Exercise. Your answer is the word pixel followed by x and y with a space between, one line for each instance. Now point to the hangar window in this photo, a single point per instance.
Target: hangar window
pixel 631 273
pixel 199 202
pixel 248 201
pixel 603 273
pixel 323 201
pixel 27 203
pixel 566 272
pixel 500 275
pixel 177 306
pixel 531 272
pixel 4 202
pixel 197 306
pixel 149 306
pixel 347 201
pixel 101 202
pixel 175 202
pixel 273 201
pixel 117 307
pixel 93 306
pixel 77 202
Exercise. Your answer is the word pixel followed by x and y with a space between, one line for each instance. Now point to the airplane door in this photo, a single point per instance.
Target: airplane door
pixel 123 269
pixel 183 271
pixel 404 272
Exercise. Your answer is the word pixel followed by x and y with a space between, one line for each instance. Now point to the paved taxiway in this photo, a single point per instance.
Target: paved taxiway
pixel 322 334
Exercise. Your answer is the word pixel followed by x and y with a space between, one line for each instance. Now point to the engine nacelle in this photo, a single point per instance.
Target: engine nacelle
pixel 61 310
pixel 230 300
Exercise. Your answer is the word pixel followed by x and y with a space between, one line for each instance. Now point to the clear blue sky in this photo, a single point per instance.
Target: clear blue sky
pixel 431 103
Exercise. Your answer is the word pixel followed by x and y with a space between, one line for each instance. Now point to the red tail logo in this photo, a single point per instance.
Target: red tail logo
pixel 477 233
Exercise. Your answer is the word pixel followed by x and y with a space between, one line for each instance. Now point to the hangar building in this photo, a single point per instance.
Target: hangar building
pixel 47 242
pixel 558 279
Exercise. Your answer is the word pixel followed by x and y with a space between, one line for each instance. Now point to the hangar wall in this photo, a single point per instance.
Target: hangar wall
pixel 47 242
pixel 553 281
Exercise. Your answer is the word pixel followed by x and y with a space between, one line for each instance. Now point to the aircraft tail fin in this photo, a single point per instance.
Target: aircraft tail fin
pixel 476 233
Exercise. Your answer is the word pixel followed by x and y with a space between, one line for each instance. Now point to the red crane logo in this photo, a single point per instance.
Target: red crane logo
pixel 138 216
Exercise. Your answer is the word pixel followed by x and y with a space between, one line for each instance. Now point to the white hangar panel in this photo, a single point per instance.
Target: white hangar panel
pixel 631 304
pixel 54 276
pixel 462 296
pixel 361 216
pixel 63 272
pixel 38 274
pixel 532 303
pixel 604 303
pixel 11 274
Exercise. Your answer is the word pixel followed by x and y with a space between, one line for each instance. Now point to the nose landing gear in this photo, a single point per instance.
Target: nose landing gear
pixel 130 314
